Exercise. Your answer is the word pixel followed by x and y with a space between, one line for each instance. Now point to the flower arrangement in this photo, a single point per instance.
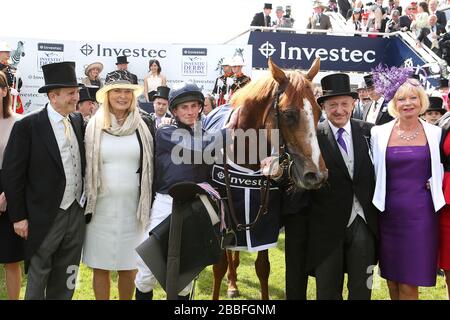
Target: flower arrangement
pixel 388 79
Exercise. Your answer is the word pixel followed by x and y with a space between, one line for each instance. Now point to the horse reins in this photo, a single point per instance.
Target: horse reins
pixel 284 158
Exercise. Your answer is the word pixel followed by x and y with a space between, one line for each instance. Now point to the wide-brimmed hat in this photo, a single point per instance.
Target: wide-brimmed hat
pixel 279 8
pixel 161 92
pixel 334 85
pixel 317 4
pixel 93 65
pixel 88 93
pixel 59 75
pixel 118 79
pixel 267 6
pixel 237 61
pixel 5 47
pixel 122 60
pixel 436 105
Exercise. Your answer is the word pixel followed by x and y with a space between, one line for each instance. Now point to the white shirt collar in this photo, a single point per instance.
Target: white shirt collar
pixel 380 101
pixel 53 114
pixel 347 128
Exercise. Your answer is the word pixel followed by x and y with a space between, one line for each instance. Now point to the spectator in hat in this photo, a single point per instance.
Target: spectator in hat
pixel 239 78
pixel 42 175
pixel 92 72
pixel 262 19
pixel 343 229
pixel 11 244
pixel 354 23
pixel 363 101
pixel 223 83
pixel 377 113
pixel 408 192
pixel 87 103
pixel 119 177
pixel 435 111
pixel 122 64
pixel 160 103
pixel 319 20
pixel 153 79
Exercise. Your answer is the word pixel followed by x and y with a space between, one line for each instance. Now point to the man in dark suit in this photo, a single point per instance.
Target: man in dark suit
pixel 262 19
pixel 441 18
pixel 342 220
pixel 43 177
pixel 319 20
pixel 376 112
pixel 122 64
pixel 161 104
pixel 429 35
pixel 406 19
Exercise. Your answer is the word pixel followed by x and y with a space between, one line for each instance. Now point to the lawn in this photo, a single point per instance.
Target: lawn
pixel 247 282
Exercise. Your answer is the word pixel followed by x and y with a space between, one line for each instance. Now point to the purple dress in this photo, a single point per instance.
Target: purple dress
pixel 409 231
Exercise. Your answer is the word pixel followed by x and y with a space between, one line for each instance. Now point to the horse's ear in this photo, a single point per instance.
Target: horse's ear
pixel 312 72
pixel 278 74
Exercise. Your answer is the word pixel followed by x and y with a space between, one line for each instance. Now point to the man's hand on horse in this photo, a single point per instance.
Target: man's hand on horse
pixel 270 167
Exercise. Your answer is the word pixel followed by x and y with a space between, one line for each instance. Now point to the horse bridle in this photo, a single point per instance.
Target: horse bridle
pixel 285 162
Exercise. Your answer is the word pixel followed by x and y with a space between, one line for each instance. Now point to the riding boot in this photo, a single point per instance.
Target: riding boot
pixel 187 297
pixel 144 295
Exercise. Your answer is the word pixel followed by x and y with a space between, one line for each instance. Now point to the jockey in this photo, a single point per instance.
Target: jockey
pixel 186 104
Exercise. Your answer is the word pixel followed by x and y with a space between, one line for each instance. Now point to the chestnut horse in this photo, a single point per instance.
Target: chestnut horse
pixel 282 100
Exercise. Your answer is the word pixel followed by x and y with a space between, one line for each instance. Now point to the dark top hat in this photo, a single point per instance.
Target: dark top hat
pixel 443 83
pixel 436 105
pixel 334 85
pixel 267 6
pixel 369 81
pixel 59 75
pixel 122 60
pixel 88 94
pixel 161 92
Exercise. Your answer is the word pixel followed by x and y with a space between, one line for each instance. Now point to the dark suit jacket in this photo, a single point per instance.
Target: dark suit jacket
pixel 330 206
pixel 405 22
pixel 325 23
pixel 33 174
pixel 423 36
pixel 383 116
pixel 441 18
pixel 258 20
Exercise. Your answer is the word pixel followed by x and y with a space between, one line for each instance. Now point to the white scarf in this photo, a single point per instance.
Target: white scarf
pixel 93 181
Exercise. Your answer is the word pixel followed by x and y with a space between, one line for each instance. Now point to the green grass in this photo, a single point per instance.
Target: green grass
pixel 247 282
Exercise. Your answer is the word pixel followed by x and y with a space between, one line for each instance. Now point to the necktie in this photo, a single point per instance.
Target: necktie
pixel 67 131
pixel 375 106
pixel 340 140
pixel 267 21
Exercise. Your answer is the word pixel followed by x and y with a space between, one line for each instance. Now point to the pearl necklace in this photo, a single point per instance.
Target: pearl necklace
pixel 406 137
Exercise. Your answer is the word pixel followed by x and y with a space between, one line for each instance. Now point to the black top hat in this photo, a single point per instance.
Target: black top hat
pixel 267 6
pixel 122 60
pixel 88 94
pixel 369 81
pixel 334 85
pixel 161 92
pixel 443 83
pixel 436 105
pixel 59 75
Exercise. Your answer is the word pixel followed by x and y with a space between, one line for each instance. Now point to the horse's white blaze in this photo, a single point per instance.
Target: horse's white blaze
pixel 307 107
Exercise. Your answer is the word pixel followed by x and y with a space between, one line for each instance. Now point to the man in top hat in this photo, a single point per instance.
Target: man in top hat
pixel 435 111
pixel 262 19
pixel 240 79
pixel 160 104
pixel 43 177
pixel 122 64
pixel 342 219
pixel 222 84
pixel 319 20
pixel 87 104
pixel 376 112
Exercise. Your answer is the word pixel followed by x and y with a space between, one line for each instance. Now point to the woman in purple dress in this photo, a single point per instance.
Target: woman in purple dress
pixel 408 193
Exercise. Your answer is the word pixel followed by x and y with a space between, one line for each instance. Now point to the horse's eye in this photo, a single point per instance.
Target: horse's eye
pixel 291 116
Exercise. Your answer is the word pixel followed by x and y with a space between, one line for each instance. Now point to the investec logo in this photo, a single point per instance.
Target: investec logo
pixel 296 53
pixel 100 51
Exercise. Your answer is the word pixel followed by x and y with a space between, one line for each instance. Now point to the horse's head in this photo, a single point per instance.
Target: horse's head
pixel 297 121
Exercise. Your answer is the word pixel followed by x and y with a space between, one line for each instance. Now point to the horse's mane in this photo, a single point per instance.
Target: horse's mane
pixel 256 92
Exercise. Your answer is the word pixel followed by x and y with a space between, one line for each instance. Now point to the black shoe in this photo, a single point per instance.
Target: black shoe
pixel 144 295
pixel 184 297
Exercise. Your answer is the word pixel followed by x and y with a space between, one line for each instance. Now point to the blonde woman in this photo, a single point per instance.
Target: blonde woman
pixel 119 174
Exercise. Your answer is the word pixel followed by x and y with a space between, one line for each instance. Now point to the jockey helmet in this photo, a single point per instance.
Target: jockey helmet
pixel 185 92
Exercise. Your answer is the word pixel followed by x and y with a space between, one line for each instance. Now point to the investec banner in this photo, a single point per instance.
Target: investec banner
pixel 197 63
pixel 336 53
